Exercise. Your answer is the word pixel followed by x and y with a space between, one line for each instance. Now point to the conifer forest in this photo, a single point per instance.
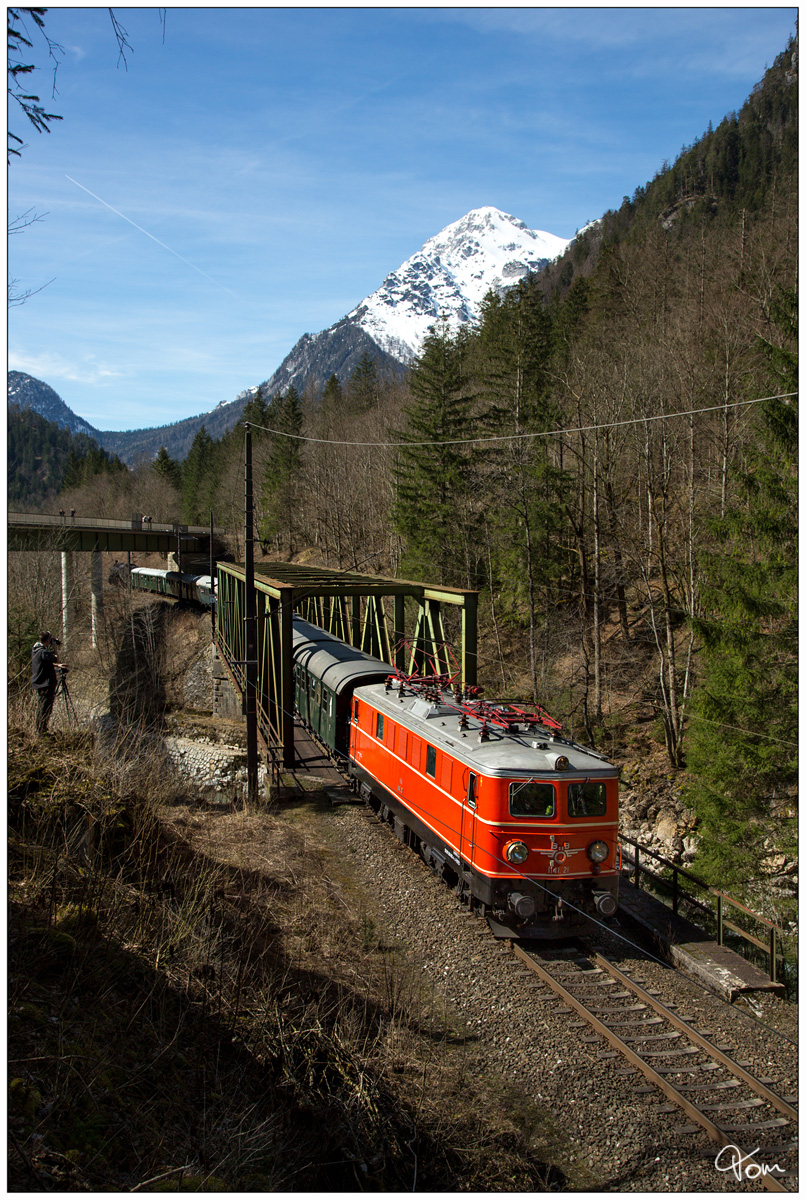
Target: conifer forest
pixel 610 458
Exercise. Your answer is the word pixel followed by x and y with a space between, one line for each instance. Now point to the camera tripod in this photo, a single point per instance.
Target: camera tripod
pixel 63 690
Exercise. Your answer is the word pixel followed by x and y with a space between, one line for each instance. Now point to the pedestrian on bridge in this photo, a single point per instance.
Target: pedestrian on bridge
pixel 44 664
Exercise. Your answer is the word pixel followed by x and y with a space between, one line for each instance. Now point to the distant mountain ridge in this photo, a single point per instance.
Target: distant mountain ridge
pixel 29 393
pixel 487 250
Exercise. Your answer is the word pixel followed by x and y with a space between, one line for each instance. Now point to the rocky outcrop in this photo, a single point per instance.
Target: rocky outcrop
pixel 652 812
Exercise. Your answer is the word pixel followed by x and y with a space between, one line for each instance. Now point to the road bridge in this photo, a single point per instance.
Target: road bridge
pixel 69 534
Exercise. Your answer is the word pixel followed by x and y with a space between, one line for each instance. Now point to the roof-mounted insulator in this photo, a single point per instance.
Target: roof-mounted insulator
pixel 484 735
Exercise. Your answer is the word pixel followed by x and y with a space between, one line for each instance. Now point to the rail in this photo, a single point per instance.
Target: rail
pixel 685 1063
pixel 772 947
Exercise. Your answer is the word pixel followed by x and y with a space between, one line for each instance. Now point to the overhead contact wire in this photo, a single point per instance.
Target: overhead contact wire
pixel 517 437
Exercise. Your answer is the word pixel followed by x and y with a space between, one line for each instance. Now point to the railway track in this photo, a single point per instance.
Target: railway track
pixel 754 1130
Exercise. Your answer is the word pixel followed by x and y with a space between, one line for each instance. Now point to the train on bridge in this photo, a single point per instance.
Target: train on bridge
pixel 520 819
pixel 196 589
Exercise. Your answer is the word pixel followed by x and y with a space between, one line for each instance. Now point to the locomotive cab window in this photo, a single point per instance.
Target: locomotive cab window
pixel 586 800
pixel 379 726
pixel 531 799
pixel 431 762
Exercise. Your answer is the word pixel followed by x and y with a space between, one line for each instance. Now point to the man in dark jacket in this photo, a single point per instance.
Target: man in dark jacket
pixel 44 663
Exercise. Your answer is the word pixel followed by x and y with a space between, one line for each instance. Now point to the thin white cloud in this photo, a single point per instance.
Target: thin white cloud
pixel 54 366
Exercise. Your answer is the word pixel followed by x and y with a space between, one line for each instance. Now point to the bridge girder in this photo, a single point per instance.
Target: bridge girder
pixel 344 603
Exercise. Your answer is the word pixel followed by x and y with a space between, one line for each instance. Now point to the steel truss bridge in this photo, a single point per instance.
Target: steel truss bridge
pixel 346 604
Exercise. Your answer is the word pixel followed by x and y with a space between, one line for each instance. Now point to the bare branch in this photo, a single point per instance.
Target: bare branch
pixel 122 38
pixel 16 298
pixel 24 221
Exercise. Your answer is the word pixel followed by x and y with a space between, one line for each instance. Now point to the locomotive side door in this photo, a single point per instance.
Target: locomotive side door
pixel 467 826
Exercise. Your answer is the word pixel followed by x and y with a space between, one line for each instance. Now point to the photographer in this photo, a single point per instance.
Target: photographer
pixel 44 664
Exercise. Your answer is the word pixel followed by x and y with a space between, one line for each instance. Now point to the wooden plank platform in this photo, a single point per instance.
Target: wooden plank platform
pixel 719 969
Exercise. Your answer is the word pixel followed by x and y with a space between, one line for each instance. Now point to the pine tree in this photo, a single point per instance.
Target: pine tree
pixel 257 412
pixel 363 388
pixel 512 361
pixel 198 477
pixel 432 508
pixel 281 481
pixel 168 468
pixel 332 400
pixel 742 749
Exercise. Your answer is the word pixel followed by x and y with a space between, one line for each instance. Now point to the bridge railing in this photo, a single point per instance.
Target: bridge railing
pixel 710 912
pixel 57 521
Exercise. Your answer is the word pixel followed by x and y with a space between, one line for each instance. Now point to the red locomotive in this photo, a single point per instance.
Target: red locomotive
pixel 522 820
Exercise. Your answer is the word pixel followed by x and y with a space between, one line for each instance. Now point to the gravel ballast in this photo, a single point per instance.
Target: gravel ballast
pixel 625 1141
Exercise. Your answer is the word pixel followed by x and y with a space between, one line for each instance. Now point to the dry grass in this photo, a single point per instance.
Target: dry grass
pixel 198 1004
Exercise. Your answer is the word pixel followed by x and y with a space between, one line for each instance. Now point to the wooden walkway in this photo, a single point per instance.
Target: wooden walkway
pixel 684 945
pixel 313 766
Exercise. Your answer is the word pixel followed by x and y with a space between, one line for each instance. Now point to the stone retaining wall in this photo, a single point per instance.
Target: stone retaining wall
pixel 220 771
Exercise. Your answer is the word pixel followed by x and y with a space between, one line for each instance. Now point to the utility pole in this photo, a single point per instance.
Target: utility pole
pixel 212 577
pixel 251 623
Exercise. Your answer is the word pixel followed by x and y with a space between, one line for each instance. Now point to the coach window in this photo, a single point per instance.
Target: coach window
pixel 431 762
pixel 531 799
pixel 379 727
pixel 586 800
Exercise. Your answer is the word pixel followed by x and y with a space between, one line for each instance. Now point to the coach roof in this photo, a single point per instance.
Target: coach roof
pixel 332 661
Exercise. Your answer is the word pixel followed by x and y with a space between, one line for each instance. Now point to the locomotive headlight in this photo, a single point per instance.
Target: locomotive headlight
pixel 561 763
pixel 597 852
pixel 516 852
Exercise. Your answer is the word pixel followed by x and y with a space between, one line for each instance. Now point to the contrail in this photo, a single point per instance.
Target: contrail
pixel 151 235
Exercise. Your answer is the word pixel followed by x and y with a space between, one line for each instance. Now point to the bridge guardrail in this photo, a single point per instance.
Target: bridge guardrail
pixel 56 521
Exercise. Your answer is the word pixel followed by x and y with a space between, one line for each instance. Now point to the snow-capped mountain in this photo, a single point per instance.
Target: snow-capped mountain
pixel 450 275
pixel 487 250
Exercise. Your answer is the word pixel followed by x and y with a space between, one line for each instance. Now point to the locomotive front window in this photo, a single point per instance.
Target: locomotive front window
pixel 586 800
pixel 531 799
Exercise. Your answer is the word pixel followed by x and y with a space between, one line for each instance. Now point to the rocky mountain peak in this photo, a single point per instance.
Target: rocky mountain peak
pixel 486 250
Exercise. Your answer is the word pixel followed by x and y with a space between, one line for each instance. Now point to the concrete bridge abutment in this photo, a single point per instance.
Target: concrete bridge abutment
pixel 226 700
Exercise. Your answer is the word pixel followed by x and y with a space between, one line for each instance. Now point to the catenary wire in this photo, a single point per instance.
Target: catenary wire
pixel 516 437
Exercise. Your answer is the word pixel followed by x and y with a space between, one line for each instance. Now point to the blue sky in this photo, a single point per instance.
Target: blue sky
pixel 256 172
